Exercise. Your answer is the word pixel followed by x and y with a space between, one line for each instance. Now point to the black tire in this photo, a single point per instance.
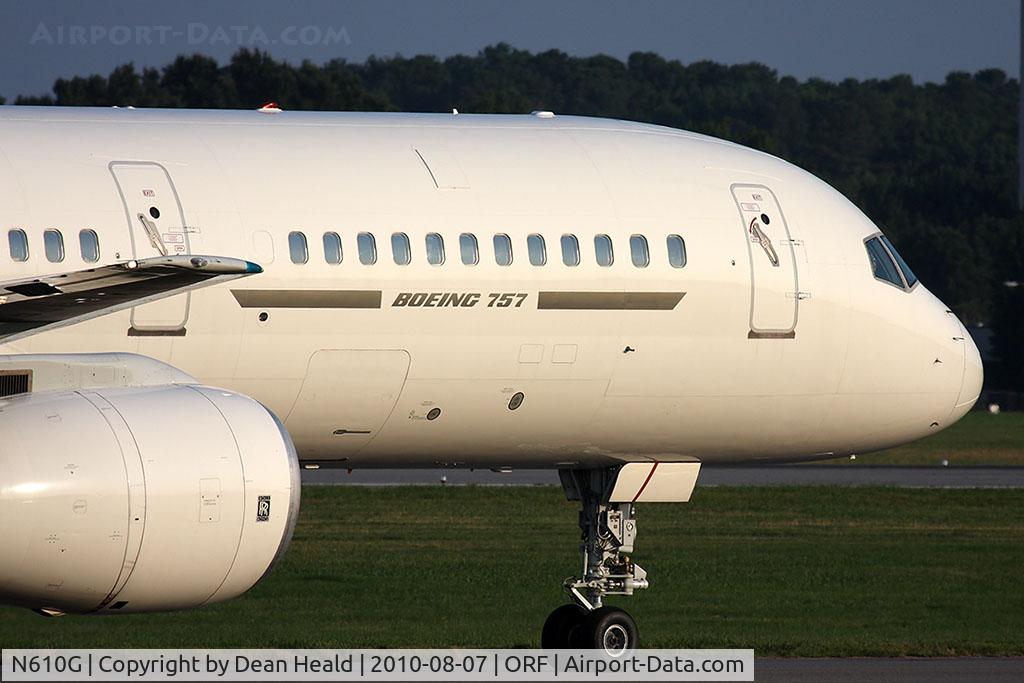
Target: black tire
pixel 606 628
pixel 555 634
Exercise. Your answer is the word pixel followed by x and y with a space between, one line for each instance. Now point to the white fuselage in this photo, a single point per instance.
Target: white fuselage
pixel 745 353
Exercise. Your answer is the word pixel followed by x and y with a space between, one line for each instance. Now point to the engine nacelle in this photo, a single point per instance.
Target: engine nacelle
pixel 141 499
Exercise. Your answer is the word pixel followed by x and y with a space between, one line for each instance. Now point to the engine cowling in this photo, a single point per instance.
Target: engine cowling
pixel 141 499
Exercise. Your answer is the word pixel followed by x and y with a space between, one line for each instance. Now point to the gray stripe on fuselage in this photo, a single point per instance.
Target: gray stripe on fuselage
pixel 609 301
pixel 307 298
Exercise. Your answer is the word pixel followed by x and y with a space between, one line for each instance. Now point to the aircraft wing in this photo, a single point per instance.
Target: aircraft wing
pixel 32 305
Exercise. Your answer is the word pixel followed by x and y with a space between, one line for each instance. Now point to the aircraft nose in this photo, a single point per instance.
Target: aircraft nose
pixel 974 375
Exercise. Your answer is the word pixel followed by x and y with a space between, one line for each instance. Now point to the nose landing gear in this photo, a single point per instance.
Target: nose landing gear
pixel 608 531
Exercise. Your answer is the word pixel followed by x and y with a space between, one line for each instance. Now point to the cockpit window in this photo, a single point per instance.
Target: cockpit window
pixel 908 274
pixel 882 264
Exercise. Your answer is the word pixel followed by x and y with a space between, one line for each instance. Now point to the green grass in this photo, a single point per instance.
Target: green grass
pixel 980 438
pixel 801 571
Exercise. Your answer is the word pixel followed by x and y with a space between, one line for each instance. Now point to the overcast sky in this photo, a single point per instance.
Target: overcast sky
pixel 41 40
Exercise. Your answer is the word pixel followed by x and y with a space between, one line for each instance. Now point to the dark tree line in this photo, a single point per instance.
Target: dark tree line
pixel 934 164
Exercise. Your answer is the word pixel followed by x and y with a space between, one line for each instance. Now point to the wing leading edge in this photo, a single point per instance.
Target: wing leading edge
pixel 32 305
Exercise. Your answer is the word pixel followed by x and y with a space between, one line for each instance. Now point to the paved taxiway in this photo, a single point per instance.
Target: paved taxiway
pixel 770 475
pixel 931 669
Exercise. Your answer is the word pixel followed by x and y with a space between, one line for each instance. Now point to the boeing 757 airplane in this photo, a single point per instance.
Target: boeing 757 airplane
pixel 195 304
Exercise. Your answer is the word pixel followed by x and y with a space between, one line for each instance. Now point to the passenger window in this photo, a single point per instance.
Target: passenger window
pixel 367 248
pixel 538 252
pixel 435 249
pixel 332 248
pixel 603 250
pixel 882 265
pixel 676 251
pixel 638 249
pixel 53 242
pixel 400 249
pixel 502 250
pixel 298 248
pixel 908 274
pixel 18 243
pixel 570 250
pixel 469 248
pixel 89 242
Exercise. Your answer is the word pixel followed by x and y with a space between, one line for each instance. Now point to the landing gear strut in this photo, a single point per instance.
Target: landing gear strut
pixel 608 532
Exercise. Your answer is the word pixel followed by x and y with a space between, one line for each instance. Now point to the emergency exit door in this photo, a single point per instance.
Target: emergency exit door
pixel 157 227
pixel 774 285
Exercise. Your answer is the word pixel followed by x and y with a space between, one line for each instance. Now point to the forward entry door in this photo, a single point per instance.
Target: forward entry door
pixel 157 227
pixel 774 286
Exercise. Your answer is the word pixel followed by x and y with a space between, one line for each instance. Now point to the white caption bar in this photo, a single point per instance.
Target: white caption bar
pixel 375 665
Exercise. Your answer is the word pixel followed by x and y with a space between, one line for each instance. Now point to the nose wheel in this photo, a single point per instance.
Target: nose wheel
pixel 606 628
pixel 559 625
